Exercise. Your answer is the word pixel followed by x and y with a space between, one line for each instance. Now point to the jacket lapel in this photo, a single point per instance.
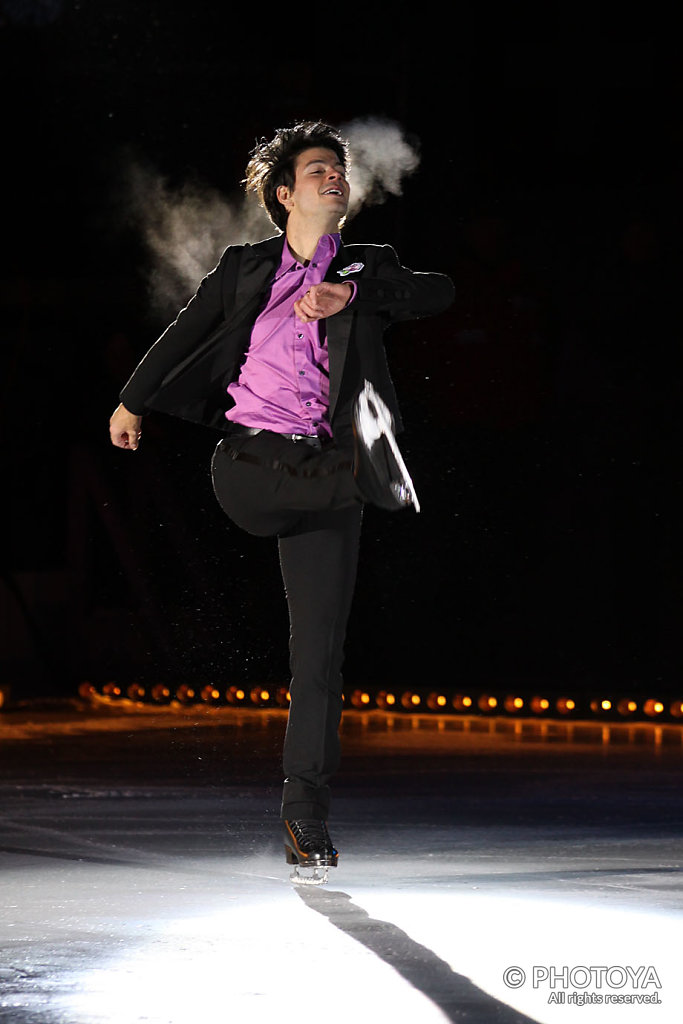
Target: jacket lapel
pixel 338 332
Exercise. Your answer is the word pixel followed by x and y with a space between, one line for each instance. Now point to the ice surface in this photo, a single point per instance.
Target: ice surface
pixel 143 876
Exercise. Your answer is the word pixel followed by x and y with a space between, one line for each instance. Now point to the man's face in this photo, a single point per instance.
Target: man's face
pixel 320 186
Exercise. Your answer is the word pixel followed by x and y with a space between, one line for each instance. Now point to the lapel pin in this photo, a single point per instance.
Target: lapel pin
pixel 352 268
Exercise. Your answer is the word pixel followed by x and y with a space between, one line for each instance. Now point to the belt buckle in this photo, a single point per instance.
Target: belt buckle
pixel 311 439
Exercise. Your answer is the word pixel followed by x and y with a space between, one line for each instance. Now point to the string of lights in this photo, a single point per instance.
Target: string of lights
pixel 492 704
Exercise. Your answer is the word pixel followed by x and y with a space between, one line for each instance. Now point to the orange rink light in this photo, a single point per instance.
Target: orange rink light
pixel 513 704
pixel 259 695
pixel 210 693
pixel 462 702
pixel 487 703
pixel 185 694
pixel 596 706
pixel 235 695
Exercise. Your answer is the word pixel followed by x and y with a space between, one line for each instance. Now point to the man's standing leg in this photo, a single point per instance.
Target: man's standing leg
pixel 319 558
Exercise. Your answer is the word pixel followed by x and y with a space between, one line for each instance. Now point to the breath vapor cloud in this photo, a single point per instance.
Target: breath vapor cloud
pixel 187 228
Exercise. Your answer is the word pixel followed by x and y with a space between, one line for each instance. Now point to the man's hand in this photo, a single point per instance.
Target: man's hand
pixel 124 428
pixel 322 300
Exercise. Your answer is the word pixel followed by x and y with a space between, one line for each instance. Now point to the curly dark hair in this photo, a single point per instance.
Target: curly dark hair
pixel 272 163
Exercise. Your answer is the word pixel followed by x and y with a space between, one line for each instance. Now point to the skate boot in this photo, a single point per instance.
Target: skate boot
pixel 380 471
pixel 309 848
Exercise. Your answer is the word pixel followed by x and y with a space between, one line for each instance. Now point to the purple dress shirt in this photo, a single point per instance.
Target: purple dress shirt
pixel 284 383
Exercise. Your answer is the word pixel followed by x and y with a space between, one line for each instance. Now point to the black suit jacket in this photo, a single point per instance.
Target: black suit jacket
pixel 187 371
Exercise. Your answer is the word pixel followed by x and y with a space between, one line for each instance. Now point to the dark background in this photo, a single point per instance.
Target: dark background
pixel 542 410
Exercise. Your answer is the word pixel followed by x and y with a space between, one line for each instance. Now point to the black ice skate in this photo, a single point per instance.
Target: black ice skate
pixel 380 471
pixel 308 846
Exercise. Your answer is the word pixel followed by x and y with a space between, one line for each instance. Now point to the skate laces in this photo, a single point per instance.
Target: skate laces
pixel 310 833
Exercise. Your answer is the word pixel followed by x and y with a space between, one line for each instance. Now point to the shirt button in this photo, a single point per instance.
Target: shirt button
pixel 299 335
pixel 302 373
pixel 308 404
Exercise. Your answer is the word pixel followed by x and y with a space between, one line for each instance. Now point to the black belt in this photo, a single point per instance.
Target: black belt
pixel 278 464
pixel 238 430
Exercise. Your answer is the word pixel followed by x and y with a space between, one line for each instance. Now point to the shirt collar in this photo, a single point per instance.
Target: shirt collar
pixel 327 248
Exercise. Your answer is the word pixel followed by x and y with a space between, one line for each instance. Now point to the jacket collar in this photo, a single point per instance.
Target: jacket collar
pixel 259 263
pixel 261 260
pixel 267 248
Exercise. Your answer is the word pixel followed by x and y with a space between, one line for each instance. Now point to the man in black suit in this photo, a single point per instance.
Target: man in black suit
pixel 281 348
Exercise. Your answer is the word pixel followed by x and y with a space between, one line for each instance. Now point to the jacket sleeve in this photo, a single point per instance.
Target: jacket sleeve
pixel 202 314
pixel 396 293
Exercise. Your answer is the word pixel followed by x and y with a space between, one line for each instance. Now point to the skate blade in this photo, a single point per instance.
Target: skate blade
pixel 407 486
pixel 383 428
pixel 372 419
pixel 310 876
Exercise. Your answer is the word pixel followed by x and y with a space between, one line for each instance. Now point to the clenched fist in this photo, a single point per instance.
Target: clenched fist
pixel 124 428
pixel 322 300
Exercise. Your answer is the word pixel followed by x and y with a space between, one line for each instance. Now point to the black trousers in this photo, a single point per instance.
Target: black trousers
pixel 307 497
